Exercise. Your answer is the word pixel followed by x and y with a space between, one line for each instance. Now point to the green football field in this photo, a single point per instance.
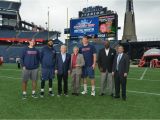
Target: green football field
pixel 143 102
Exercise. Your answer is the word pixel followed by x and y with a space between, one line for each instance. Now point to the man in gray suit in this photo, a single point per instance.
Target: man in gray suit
pixel 120 72
pixel 77 62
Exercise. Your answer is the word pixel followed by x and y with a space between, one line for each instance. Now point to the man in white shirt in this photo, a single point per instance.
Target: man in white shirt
pixel 105 63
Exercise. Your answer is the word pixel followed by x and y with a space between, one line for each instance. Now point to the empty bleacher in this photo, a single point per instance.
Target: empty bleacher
pixel 7 34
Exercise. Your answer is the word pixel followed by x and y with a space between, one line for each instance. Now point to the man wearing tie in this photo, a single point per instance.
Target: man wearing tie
pixel 62 69
pixel 120 72
pixel 105 62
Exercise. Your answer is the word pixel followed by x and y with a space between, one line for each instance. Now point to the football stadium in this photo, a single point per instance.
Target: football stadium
pixel 98 24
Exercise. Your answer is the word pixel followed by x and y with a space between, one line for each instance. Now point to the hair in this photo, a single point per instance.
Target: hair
pixel 50 40
pixel 120 46
pixel 107 41
pixel 63 45
pixel 85 36
pixel 75 47
pixel 32 39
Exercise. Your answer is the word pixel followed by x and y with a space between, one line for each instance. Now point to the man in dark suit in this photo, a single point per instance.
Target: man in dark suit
pixel 120 72
pixel 105 63
pixel 62 69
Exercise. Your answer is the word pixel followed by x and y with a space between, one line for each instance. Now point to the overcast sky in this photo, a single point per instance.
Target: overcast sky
pixel 146 13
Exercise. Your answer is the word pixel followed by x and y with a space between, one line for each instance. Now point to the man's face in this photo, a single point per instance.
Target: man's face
pixel 107 45
pixel 63 49
pixel 75 50
pixel 85 40
pixel 32 43
pixel 120 49
pixel 50 43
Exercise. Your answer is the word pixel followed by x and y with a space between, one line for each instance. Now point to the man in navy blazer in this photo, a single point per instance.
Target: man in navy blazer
pixel 120 72
pixel 62 69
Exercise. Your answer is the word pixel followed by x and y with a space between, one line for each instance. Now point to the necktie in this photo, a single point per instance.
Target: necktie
pixel 118 60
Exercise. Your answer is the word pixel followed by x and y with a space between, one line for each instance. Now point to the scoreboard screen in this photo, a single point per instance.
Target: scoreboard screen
pixel 102 26
pixel 108 25
pixel 84 26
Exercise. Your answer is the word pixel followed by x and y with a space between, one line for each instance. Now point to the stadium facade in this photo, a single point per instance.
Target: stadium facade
pixel 15 32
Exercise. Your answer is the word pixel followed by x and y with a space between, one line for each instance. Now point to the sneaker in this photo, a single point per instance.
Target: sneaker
pixel 51 93
pixel 84 92
pixel 34 96
pixel 66 95
pixel 59 95
pixel 93 93
pixel 41 94
pixel 24 96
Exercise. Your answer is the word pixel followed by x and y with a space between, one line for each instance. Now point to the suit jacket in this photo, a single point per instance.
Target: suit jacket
pixel 61 66
pixel 79 61
pixel 106 62
pixel 123 66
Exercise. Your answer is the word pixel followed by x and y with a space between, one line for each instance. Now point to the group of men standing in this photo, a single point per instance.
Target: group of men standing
pixel 114 68
pixel 81 64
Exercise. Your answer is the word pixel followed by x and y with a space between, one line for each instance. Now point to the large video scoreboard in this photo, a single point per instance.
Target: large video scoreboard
pixel 94 21
pixel 104 26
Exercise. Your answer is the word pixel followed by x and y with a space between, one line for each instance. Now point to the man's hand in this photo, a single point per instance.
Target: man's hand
pixel 101 69
pixel 125 74
pixel 94 66
pixel 69 72
pixel 77 65
pixel 24 68
pixel 56 71
pixel 112 73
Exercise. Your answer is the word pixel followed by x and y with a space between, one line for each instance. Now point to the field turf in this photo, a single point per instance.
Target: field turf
pixel 143 101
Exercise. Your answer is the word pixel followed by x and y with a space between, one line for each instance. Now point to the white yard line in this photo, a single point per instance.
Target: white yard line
pixel 137 79
pixel 157 94
pixel 144 80
pixel 9 77
pixel 137 92
pixel 143 74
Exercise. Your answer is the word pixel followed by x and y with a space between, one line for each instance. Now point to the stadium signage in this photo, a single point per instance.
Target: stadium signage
pixel 84 26
pixel 92 11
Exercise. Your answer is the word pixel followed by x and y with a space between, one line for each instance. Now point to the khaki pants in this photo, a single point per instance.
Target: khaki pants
pixel 107 82
pixel 75 81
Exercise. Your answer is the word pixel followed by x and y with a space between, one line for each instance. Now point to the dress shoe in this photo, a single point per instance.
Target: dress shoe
pixel 116 97
pixel 102 94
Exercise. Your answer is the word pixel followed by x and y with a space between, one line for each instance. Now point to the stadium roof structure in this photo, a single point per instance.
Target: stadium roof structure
pixel 10 4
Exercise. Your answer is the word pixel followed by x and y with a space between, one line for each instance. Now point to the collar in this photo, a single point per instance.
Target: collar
pixel 120 54
pixel 63 53
pixel 107 49
pixel 75 54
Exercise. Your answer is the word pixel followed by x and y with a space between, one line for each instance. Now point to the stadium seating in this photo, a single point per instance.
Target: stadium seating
pixel 7 34
pixel 28 35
